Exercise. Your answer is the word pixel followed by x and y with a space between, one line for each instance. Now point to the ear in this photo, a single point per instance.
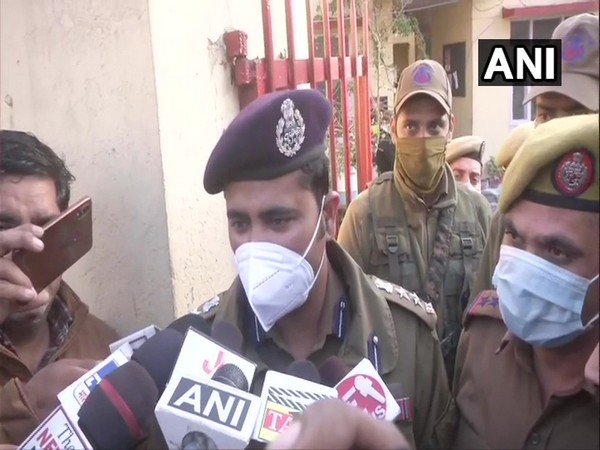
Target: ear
pixel 451 128
pixel 330 213
pixel 393 125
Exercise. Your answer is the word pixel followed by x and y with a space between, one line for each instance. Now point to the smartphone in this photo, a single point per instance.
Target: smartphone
pixel 66 239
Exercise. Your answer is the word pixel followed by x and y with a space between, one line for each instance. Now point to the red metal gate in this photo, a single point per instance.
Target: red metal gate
pixel 338 65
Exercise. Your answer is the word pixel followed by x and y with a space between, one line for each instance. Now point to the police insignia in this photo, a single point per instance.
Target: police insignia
pixel 576 45
pixel 207 306
pixel 289 133
pixel 422 74
pixel 574 173
pixel 384 285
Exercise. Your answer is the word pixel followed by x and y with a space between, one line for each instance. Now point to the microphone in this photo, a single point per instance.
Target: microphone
pixel 363 387
pixel 206 404
pixel 332 371
pixel 184 323
pixel 56 431
pixel 135 340
pixel 158 356
pixel 285 395
pixel 305 370
pixel 118 413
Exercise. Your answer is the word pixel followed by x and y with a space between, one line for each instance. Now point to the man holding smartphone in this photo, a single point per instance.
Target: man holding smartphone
pixel 48 339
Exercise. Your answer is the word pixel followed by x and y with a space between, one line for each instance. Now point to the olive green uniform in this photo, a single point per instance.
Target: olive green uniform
pixel 391 234
pixel 372 319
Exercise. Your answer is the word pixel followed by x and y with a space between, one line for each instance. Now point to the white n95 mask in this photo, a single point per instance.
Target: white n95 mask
pixel 276 280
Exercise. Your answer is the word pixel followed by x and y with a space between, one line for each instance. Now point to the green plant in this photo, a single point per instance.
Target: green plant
pixel 492 173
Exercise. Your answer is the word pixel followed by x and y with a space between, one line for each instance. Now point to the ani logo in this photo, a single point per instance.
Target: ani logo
pixel 289 133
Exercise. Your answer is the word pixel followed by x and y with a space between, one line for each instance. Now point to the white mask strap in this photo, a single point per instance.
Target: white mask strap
pixel 314 235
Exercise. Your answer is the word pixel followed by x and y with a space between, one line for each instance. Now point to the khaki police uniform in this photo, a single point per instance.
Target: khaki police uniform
pixel 363 317
pixel 580 71
pixel 496 388
pixel 392 234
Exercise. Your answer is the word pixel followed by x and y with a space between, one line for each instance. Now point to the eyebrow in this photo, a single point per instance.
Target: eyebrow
pixel 270 213
pixel 14 221
pixel 549 240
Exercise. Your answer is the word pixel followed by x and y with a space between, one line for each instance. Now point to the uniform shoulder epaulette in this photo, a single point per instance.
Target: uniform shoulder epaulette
pixel 208 309
pixel 407 300
pixel 485 305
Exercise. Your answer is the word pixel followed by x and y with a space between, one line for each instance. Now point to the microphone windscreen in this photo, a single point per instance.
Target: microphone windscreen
pixel 332 371
pixel 231 375
pixel 197 440
pixel 190 321
pixel 305 370
pixel 119 411
pixel 228 336
pixel 159 354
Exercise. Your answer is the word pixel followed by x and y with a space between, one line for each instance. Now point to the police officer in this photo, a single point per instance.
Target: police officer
pixel 520 362
pixel 578 94
pixel 416 226
pixel 465 155
pixel 298 294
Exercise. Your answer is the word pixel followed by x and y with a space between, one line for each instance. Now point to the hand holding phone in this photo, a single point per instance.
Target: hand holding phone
pixel 66 239
pixel 14 284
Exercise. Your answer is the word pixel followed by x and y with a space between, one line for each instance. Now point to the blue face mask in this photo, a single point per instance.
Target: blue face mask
pixel 540 302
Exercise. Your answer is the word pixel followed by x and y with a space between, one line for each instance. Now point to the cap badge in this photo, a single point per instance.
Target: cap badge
pixel 423 74
pixel 289 133
pixel 574 173
pixel 576 46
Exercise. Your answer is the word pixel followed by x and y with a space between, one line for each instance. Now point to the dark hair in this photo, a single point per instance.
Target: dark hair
pixel 23 154
pixel 315 177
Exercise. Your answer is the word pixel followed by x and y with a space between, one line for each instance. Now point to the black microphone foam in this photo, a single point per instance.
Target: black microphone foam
pixel 196 440
pixel 231 375
pixel 305 370
pixel 119 411
pixel 332 371
pixel 228 336
pixel 188 321
pixel 159 354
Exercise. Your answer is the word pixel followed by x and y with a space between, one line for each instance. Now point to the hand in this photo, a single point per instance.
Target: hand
pixel 42 389
pixel 8 447
pixel 334 424
pixel 15 286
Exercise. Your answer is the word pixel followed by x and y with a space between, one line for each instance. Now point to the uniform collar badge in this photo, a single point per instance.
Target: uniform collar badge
pixel 423 75
pixel 574 173
pixel 289 132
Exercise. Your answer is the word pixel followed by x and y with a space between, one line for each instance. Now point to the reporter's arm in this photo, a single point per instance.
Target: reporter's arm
pixel 17 416
pixel 332 424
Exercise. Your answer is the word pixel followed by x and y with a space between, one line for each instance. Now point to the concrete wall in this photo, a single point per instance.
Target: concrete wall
pixel 492 105
pixel 80 76
pixel 452 24
pixel 134 93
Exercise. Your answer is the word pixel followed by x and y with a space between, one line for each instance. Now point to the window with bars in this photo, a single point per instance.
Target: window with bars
pixel 529 29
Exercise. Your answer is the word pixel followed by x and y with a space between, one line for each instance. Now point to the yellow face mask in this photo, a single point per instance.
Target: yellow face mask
pixel 420 162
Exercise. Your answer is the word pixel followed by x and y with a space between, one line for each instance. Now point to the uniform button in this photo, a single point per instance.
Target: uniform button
pixel 535 439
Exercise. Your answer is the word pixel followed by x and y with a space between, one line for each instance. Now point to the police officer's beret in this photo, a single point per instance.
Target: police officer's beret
pixel 467 147
pixel 274 135
pixel 557 165
pixel 511 144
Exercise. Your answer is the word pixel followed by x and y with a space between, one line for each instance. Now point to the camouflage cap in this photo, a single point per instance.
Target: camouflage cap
pixel 580 61
pixel 557 165
pixel 424 76
pixel 511 144
pixel 467 147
